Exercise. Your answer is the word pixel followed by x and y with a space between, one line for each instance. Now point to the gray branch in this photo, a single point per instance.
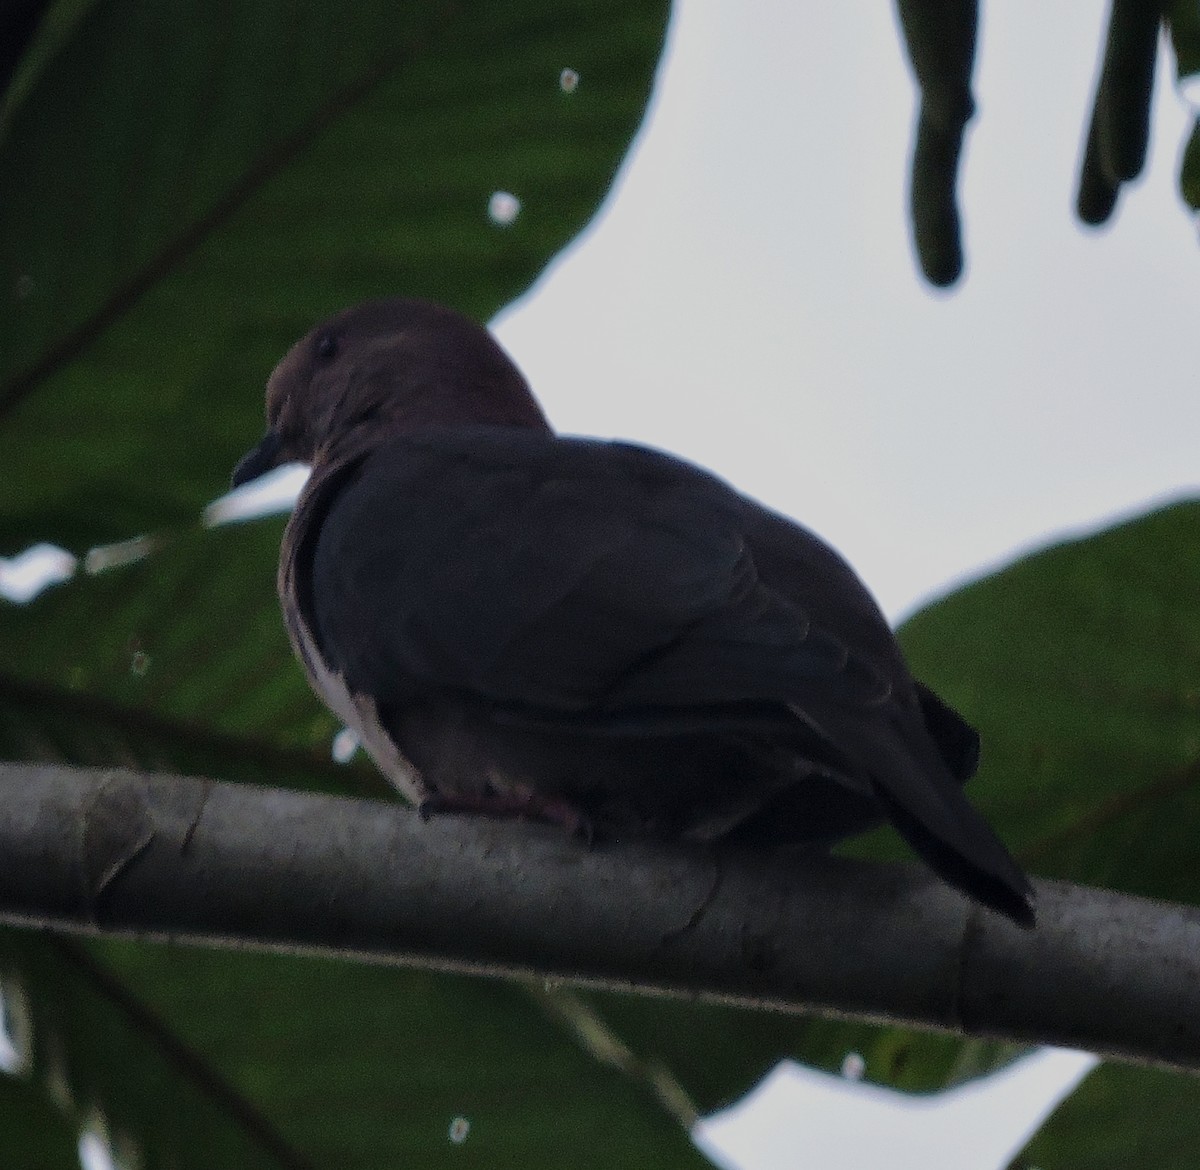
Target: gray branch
pixel 164 857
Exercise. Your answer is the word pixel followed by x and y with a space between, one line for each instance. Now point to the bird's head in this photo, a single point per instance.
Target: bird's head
pixel 380 369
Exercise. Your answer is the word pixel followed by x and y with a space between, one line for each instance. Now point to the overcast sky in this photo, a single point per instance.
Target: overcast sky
pixel 748 298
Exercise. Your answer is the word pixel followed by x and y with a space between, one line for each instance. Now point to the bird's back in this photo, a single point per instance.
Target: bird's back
pixel 625 635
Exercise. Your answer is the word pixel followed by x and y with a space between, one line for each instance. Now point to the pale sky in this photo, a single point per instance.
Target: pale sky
pixel 799 1117
pixel 748 299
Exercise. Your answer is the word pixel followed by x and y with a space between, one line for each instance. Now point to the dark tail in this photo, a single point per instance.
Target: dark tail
pixel 923 800
pixel 983 870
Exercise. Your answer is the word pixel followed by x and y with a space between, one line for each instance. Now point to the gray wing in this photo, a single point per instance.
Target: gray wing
pixel 614 586
pixel 568 576
pixel 800 566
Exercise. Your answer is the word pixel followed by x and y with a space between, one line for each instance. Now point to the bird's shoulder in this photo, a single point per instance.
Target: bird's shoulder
pixel 518 461
pixel 507 496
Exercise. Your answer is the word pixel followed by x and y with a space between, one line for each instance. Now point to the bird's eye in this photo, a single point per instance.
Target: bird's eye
pixel 327 347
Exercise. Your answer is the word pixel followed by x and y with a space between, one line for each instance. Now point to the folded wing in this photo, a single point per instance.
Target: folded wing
pixel 621 590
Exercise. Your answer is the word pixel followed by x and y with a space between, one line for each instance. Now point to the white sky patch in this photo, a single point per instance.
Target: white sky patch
pixel 854 1067
pixel 800 1117
pixel 24 576
pixel 276 491
pixel 114 556
pixel 10 1055
pixel 747 296
pixel 94 1152
pixel 16 1045
pixel 10 1058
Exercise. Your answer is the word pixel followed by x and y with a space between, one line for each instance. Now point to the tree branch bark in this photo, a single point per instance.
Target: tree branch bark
pixel 198 861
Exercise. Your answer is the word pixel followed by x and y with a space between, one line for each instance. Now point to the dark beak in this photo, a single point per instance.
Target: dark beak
pixel 258 461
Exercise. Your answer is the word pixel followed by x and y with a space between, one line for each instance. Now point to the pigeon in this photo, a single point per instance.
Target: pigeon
pixel 591 633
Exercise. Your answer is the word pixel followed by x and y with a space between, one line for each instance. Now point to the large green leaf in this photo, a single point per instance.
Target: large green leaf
pixel 196 1059
pixel 1081 667
pixel 176 660
pixel 96 1066
pixel 1121 1117
pixel 33 1135
pixel 186 190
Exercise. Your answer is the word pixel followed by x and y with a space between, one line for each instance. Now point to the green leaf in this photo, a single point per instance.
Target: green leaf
pixel 196 1058
pixel 719 1053
pixel 1120 1117
pixel 33 1134
pixel 1183 20
pixel 31 32
pixel 186 191
pixel 94 1062
pixel 1189 169
pixel 1080 666
pixel 178 661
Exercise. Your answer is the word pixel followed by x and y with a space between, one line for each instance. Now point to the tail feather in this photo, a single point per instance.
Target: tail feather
pixel 974 870
pixel 923 800
pixel 957 741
